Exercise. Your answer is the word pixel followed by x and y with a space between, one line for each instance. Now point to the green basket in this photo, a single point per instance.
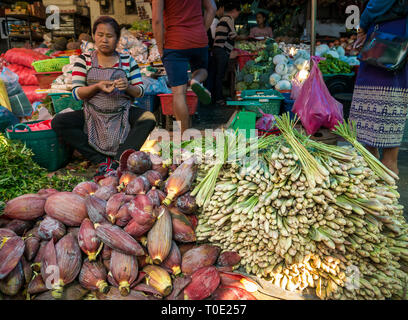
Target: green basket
pixel 270 101
pixel 50 65
pixel 244 121
pixel 63 101
pixel 48 152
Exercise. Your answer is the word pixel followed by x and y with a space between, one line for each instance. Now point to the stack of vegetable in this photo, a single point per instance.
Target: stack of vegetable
pixel 332 65
pixel 114 239
pixel 273 68
pixel 338 52
pixel 309 215
pixel 251 46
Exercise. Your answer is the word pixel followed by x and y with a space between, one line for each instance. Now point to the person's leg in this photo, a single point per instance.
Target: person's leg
pixel 176 64
pixel 374 151
pixel 221 61
pixel 180 108
pixel 390 159
pixel 70 127
pixel 142 123
pixel 198 59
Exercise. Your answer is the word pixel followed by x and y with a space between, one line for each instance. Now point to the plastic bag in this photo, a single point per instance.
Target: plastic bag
pixel 20 105
pixel 296 88
pixel 4 99
pixel 39 126
pixel 32 96
pixel 10 79
pixel 24 57
pixel 26 76
pixel 266 123
pixel 153 86
pixel 7 118
pixel 315 106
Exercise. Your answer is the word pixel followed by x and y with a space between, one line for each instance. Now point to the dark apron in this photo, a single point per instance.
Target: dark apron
pixel 106 115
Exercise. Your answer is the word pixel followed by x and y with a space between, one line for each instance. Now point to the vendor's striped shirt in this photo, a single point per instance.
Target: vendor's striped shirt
pixel 82 66
pixel 225 34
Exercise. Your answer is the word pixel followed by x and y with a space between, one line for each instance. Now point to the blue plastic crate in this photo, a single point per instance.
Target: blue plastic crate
pixel 288 105
pixel 148 102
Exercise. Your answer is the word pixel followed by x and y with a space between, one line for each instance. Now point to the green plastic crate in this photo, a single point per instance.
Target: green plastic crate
pixel 63 101
pixel 270 101
pixel 48 151
pixel 244 121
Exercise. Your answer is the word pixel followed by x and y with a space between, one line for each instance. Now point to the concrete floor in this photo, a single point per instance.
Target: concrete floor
pixel 213 117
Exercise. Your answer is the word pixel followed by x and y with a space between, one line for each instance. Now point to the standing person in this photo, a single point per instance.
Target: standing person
pixel 225 37
pixel 107 82
pixel 180 30
pixel 210 83
pixel 380 98
pixel 261 30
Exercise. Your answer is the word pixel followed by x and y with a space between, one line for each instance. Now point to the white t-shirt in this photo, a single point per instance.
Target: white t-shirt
pixel 214 26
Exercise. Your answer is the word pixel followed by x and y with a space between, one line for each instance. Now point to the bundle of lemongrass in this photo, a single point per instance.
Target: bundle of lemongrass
pixel 308 215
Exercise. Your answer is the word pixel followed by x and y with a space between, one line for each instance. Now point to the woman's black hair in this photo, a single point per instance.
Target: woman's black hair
pixel 263 14
pixel 107 20
pixel 229 6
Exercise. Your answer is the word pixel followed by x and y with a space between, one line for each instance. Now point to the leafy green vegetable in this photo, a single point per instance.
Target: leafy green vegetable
pixel 19 174
pixel 333 65
pixel 142 25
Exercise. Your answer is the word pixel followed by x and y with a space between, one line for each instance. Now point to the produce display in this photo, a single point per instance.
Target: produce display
pixel 20 174
pixel 332 65
pixel 251 46
pixel 337 52
pixel 114 239
pixel 272 69
pixel 308 215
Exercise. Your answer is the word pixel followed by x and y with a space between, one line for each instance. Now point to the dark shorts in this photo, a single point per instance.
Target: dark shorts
pixel 176 63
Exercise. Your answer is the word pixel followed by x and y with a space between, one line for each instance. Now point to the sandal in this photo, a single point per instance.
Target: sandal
pixel 204 96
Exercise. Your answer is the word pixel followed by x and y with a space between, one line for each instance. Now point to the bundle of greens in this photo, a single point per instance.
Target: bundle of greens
pixel 19 174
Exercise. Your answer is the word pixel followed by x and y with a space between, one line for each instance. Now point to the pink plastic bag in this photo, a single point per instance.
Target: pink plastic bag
pixel 315 106
pixel 267 122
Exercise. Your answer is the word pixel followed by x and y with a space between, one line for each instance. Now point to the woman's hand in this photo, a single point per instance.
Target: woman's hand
pixel 122 84
pixel 106 86
pixel 361 38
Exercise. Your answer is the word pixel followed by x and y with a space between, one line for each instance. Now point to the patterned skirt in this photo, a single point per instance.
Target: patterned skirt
pixel 380 99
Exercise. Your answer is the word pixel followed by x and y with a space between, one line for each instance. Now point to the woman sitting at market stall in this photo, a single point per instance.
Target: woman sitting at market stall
pixel 261 30
pixel 107 82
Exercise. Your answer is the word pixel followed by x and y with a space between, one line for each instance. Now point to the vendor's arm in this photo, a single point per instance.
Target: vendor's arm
pixel 81 91
pixel 210 10
pixel 135 87
pixel 374 9
pixel 157 23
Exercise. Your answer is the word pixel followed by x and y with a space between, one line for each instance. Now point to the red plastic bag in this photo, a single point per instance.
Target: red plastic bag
pixel 315 106
pixel 24 57
pixel 39 126
pixel 32 95
pixel 26 76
